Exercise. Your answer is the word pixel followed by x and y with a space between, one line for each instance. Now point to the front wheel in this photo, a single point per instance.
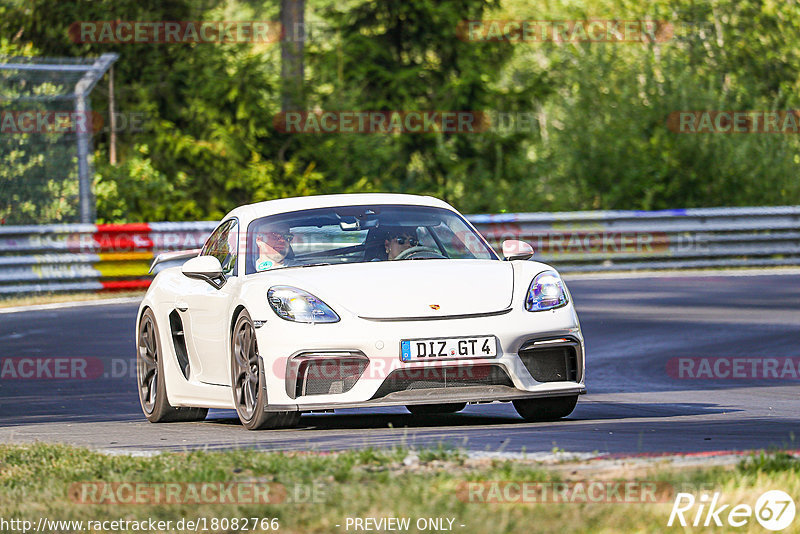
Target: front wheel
pixel 546 409
pixel 249 383
pixel 150 377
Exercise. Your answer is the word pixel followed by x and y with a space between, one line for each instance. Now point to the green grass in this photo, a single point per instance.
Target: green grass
pixel 770 463
pixel 35 481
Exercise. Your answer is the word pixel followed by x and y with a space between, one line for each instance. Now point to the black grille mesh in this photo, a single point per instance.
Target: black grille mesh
pixel 551 364
pixel 328 376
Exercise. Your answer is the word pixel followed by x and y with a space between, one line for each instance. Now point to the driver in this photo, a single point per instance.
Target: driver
pixel 398 240
pixel 273 247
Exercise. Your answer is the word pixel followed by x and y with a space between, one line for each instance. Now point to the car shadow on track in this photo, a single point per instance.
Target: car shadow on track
pixel 597 410
pixel 384 420
pixel 481 415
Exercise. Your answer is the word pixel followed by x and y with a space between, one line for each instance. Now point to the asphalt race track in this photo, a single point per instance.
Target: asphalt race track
pixel 633 328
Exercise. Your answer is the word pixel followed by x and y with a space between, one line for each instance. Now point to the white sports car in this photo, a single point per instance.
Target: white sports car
pixel 343 301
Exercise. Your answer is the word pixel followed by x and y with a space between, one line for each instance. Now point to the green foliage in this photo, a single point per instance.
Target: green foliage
pixel 598 138
pixel 773 462
pixel 613 148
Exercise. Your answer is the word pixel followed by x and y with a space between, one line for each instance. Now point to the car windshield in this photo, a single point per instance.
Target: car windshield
pixel 357 234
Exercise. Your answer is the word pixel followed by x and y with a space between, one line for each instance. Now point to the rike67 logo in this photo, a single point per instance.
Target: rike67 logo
pixel 774 510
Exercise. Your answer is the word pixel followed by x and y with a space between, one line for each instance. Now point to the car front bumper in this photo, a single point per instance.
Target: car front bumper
pixel 382 379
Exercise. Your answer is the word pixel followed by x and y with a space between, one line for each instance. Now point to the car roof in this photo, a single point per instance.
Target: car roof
pixel 248 212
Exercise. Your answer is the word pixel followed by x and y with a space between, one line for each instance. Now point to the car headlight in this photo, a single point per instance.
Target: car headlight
pixel 299 306
pixel 546 292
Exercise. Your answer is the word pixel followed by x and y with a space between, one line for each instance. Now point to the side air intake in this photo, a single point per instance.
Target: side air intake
pixel 179 342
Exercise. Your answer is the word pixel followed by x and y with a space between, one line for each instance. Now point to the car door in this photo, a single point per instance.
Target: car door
pixel 207 309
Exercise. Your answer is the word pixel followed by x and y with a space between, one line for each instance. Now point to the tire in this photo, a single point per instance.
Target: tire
pixel 428 409
pixel 150 377
pixel 546 409
pixel 248 383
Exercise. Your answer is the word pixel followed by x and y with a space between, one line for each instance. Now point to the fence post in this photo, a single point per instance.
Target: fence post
pixel 82 90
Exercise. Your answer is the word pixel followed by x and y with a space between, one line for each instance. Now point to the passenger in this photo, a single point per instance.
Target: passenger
pixel 273 248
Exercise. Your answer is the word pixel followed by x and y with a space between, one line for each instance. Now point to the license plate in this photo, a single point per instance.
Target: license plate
pixel 450 347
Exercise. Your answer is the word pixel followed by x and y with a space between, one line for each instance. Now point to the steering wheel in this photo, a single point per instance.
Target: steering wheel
pixel 413 251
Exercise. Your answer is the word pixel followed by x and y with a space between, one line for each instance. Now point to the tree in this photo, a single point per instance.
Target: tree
pixel 292 53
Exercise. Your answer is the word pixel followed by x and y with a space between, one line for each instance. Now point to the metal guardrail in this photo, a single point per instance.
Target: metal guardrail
pixel 666 239
pixel 86 257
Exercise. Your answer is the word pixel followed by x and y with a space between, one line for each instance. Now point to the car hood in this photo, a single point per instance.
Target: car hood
pixel 411 288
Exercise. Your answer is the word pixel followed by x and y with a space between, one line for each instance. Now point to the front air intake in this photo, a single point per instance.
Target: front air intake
pixel 324 373
pixel 551 360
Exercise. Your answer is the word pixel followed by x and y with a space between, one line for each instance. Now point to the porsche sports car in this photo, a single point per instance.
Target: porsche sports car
pixel 343 301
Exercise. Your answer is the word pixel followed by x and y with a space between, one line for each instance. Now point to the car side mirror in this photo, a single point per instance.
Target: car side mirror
pixel 514 249
pixel 206 268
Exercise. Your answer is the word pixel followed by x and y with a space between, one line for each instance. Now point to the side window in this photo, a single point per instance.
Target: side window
pixel 223 245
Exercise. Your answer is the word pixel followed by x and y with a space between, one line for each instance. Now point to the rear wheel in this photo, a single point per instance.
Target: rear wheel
pixel 546 409
pixel 150 377
pixel 249 383
pixel 427 409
